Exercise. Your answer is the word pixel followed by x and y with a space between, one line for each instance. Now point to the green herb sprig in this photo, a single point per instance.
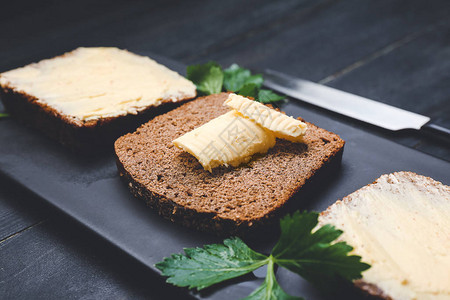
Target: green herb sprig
pixel 211 79
pixel 314 255
pixel 4 115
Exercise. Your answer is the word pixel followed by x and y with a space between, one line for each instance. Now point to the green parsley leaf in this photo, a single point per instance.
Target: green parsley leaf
pixel 249 90
pixel 267 96
pixel 207 77
pixel 308 252
pixel 203 267
pixel 270 289
pixel 256 79
pixel 4 115
pixel 236 77
pixel 210 79
pixel 312 254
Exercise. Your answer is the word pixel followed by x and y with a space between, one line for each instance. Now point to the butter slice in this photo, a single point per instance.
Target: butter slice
pixel 400 225
pixel 282 126
pixel 229 139
pixel 93 83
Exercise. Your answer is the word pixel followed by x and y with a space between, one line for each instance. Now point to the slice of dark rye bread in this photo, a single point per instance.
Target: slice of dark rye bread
pixel 84 136
pixel 425 203
pixel 228 200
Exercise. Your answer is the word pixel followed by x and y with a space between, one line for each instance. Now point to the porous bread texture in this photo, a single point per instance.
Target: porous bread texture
pixel 229 199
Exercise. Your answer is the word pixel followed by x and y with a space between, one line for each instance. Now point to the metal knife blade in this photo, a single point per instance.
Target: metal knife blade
pixel 347 104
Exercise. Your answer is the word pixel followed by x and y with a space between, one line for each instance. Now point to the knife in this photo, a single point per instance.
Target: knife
pixel 357 107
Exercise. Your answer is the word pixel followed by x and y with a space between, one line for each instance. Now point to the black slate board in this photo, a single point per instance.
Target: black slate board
pixel 89 190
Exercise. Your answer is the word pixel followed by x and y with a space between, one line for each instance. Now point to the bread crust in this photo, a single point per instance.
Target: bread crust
pixel 371 290
pixel 194 217
pixel 88 138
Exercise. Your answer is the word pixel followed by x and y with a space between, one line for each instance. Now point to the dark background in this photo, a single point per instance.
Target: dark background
pixel 397 52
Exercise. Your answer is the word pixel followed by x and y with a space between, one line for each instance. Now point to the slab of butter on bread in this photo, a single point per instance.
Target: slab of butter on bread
pixel 282 126
pixel 232 138
pixel 84 95
pixel 400 225
pixel 229 139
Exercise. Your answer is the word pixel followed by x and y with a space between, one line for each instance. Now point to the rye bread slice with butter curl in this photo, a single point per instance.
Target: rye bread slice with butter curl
pixel 228 200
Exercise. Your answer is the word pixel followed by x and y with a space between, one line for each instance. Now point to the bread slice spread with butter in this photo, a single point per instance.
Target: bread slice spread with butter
pixel 400 225
pixel 90 96
pixel 228 199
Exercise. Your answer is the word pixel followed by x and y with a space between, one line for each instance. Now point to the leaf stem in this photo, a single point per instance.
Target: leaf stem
pixel 270 276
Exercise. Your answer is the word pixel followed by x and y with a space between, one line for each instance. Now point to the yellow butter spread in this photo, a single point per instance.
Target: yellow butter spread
pixel 229 139
pixel 92 83
pixel 401 227
pixel 282 126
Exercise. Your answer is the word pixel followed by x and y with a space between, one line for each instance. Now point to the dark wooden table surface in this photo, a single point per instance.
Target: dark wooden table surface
pixel 397 52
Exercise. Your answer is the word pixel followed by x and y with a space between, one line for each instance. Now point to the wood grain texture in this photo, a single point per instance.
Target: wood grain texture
pixel 314 44
pixel 172 28
pixel 414 80
pixel 19 209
